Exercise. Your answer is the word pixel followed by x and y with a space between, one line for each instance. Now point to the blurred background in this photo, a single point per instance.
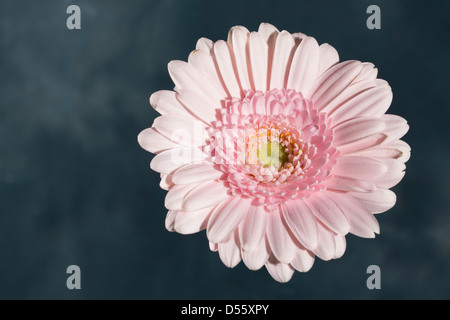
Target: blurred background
pixel 76 188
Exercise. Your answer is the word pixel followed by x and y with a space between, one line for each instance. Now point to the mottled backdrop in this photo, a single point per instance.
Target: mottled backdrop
pixel 75 187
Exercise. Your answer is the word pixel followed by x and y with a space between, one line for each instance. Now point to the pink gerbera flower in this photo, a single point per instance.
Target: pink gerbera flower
pixel 276 148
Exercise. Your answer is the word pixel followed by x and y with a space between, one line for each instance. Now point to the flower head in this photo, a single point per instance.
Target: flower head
pixel 276 148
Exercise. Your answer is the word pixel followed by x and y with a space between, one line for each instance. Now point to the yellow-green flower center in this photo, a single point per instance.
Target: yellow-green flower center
pixel 273 154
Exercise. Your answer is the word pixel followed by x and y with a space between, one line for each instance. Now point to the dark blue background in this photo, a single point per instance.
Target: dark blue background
pixel 75 187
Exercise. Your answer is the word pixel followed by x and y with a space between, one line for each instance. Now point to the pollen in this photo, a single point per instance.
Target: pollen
pixel 272 154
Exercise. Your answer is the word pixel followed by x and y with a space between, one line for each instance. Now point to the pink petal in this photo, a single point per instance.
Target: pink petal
pixel 170 160
pixel 179 129
pixel 395 173
pixel 401 146
pixel 258 51
pixel 340 246
pixel 204 62
pixel 269 34
pixel 281 58
pixel 328 212
pixel 170 220
pixel 356 129
pixel 166 181
pixel 298 37
pixel 165 102
pixel 376 201
pixel 152 141
pixel 334 81
pixel 328 57
pixel 396 127
pixel 276 107
pixel 196 173
pixel 229 250
pixel 205 195
pixel 393 165
pixel 370 103
pixel 280 241
pixel 238 39
pixel 304 67
pixel 256 258
pixel 175 196
pixel 192 221
pixel 226 217
pixel 390 181
pixel 378 152
pixel 359 168
pixel 368 72
pixel 301 222
pixel 213 246
pixel 187 77
pixel 381 83
pixel 281 272
pixel 303 260
pixel 362 222
pixel 204 45
pixel 259 105
pixel 349 184
pixel 266 30
pixel 326 245
pixel 253 228
pixel 399 150
pixel 353 90
pixel 225 64
pixel 198 106
pixel 362 144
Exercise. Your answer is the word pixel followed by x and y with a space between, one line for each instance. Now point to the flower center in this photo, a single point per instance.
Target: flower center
pixel 272 146
pixel 272 154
